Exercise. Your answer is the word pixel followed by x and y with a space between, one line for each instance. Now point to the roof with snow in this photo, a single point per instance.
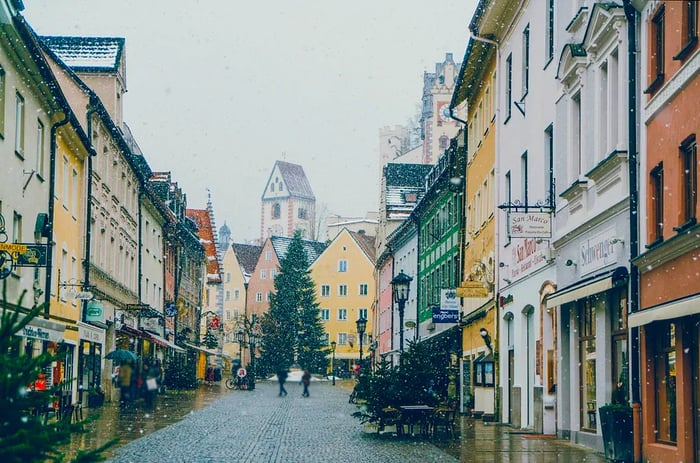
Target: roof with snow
pixel 313 249
pixel 87 54
pixel 405 185
pixel 247 256
pixel 206 237
pixel 295 179
pixel 366 243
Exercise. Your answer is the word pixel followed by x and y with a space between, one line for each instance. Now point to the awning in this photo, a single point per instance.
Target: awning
pixel 667 311
pixel 158 340
pixel 206 351
pixel 588 286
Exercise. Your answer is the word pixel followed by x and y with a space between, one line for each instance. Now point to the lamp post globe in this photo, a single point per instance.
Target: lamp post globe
pixel 401 285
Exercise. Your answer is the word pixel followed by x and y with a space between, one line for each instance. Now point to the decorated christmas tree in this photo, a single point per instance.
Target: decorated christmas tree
pixel 27 433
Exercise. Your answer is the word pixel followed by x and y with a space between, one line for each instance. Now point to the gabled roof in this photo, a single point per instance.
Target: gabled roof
pixel 247 256
pixel 206 238
pixel 88 54
pixel 366 243
pixel 405 186
pixel 313 249
pixel 296 183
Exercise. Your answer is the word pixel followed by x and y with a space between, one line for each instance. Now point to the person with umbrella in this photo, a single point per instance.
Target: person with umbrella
pixel 125 373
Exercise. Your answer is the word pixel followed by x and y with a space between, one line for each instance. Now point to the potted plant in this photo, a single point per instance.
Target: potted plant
pixel 617 429
pixel 96 397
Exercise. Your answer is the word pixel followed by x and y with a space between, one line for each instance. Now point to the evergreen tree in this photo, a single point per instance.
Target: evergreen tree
pixel 26 436
pixel 210 340
pixel 292 325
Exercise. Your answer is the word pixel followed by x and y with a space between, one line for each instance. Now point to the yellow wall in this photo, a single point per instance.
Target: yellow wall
pixel 69 225
pixel 360 270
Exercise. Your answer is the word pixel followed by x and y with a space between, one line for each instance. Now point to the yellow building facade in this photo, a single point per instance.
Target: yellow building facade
pixel 345 289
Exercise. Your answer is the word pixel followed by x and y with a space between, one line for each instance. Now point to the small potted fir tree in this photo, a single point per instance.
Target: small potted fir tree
pixel 616 426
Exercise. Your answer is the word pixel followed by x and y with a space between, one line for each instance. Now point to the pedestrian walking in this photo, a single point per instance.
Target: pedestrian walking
pixel 151 383
pixel 305 380
pixel 281 378
pixel 124 380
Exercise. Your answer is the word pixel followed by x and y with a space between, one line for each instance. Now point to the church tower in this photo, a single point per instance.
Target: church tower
pixel 288 203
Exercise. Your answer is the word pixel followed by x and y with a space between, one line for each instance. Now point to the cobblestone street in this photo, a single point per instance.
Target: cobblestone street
pixel 216 425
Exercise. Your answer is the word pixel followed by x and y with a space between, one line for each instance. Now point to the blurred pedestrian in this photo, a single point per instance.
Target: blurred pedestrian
pixel 151 388
pixel 281 378
pixel 124 381
pixel 305 380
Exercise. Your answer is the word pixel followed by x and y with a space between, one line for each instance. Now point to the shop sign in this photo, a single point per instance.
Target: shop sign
pixel 91 333
pixel 472 289
pixel 448 312
pixel 597 252
pixel 43 330
pixel 530 225
pixel 94 312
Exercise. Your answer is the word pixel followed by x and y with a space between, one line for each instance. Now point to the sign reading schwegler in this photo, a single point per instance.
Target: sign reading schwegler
pixel 448 312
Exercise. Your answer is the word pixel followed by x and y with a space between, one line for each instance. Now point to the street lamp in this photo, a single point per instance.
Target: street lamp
pixel 401 285
pixel 240 339
pixel 361 327
pixel 333 344
pixel 253 339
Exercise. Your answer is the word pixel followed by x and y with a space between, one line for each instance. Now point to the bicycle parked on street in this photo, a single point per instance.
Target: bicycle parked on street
pixel 236 383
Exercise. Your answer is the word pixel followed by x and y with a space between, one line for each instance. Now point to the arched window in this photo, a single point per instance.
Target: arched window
pixel 276 211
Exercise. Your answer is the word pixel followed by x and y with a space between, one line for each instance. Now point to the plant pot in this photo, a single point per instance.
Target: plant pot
pixel 95 400
pixel 618 434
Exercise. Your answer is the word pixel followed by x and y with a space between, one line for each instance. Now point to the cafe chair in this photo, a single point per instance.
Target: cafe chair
pixel 443 419
pixel 390 417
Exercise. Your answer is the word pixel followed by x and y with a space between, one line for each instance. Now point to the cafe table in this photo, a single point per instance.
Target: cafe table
pixel 413 415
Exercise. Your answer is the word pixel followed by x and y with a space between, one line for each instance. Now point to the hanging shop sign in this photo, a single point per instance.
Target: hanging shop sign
pixel 91 333
pixel 21 255
pixel 530 225
pixel 95 312
pixel 448 311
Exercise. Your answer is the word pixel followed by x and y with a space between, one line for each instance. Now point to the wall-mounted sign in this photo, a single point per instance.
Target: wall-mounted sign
pixel 441 315
pixel 95 312
pixel 597 252
pixel 530 225
pixel 472 289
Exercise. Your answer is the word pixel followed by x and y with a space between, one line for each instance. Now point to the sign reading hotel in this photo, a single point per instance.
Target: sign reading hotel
pixel 530 225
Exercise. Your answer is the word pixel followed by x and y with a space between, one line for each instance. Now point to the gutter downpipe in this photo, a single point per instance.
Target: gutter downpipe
pixel 52 193
pixel 88 213
pixel 635 399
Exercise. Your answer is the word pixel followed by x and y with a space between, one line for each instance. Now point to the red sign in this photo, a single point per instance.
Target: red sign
pixel 241 372
pixel 214 322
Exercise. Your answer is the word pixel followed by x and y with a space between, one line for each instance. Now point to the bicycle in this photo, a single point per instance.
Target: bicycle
pixel 236 384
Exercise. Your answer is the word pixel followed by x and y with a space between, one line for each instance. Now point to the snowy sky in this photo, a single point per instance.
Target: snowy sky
pixel 220 89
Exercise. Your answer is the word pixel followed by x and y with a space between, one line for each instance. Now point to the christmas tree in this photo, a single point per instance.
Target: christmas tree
pixel 292 330
pixel 26 433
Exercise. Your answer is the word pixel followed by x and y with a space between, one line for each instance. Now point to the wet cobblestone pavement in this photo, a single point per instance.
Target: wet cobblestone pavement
pixel 217 425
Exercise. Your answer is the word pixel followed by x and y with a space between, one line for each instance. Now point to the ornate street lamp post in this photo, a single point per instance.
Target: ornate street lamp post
pixel 401 284
pixel 240 339
pixel 333 344
pixel 253 340
pixel 361 327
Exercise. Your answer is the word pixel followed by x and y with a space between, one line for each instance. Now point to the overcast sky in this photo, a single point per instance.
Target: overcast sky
pixel 220 89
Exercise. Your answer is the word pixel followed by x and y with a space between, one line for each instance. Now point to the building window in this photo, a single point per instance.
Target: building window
pixel 325 290
pixel 228 277
pixel 342 265
pixel 268 255
pixel 258 297
pixel 276 211
pixel 281 186
pixel 39 148
pixel 342 290
pixel 236 294
pixel 301 213
pixel 363 289
pixel 526 60
pixel 342 314
pixel 19 125
pixel 325 314
pixel 576 160
pixel 524 179
pixel 444 142
pixel 362 313
pixel 657 50
pixel 268 296
pixel 587 362
pixel 484 371
pixel 689 29
pixel 272 187
pixel 550 31
pixel 509 85
pixel 342 339
pixel 74 193
pixel 689 159
pixel 273 273
pixel 263 274
pixel 657 203
pixel 620 357
pixel 664 358
pixel 228 295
